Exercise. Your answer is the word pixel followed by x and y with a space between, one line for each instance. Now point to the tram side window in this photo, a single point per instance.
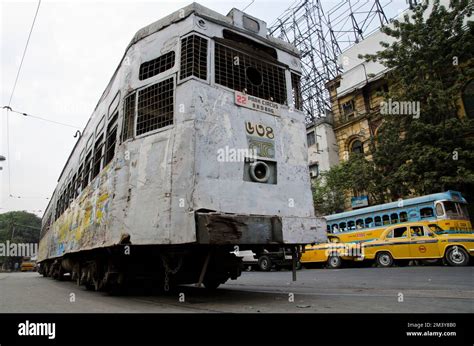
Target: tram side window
pixel 193 57
pixel 111 139
pixel 369 222
pixel 128 117
pixel 98 156
pixel 87 169
pixel 386 219
pixel 155 106
pixel 394 218
pixel 403 216
pixel 378 221
pixel 426 212
pixel 79 179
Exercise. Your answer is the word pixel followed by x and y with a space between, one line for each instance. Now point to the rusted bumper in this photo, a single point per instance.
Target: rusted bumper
pixel 220 228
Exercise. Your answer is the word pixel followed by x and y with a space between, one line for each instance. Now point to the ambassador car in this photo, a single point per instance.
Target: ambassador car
pixel 419 240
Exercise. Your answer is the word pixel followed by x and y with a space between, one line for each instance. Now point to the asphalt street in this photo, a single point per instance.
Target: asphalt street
pixel 437 289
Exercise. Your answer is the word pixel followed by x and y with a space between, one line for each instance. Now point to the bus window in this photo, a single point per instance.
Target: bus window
pixel 426 212
pixel 342 226
pixel 464 211
pixel 359 223
pixel 335 228
pixel 350 225
pixel 378 221
pixel 403 216
pixel 385 219
pixel 394 218
pixel 450 208
pixel 369 222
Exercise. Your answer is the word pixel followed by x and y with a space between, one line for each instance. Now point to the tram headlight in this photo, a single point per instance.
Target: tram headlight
pixel 259 171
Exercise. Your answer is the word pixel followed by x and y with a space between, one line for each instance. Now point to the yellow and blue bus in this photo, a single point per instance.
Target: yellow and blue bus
pixel 446 209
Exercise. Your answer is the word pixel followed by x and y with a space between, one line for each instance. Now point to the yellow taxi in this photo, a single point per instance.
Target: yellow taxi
pixel 419 240
pixel 332 253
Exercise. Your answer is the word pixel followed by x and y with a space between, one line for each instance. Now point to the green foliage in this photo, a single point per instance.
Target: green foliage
pixel 25 228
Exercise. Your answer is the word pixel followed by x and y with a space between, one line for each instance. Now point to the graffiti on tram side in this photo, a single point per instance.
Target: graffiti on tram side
pixel 84 223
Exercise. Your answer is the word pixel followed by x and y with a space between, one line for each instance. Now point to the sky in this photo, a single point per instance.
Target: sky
pixel 73 51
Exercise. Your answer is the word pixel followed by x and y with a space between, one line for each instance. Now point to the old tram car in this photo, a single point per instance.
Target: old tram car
pixel 196 148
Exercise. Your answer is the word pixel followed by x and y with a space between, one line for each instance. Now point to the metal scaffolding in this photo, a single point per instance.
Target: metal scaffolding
pixel 321 35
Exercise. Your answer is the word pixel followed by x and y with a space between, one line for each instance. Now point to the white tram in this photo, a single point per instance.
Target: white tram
pixel 196 147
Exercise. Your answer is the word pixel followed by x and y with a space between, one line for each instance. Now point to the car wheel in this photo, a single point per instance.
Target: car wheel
pixel 384 259
pixel 457 256
pixel 334 262
pixel 264 263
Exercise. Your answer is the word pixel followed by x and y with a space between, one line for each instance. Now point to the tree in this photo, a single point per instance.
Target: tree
pixel 18 227
pixel 430 63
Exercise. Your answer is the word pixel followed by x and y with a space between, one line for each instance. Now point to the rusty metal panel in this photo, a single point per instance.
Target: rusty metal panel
pixel 217 228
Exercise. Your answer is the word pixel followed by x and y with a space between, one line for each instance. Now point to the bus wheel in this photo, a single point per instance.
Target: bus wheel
pixel 457 256
pixel 334 262
pixel 384 259
pixel 264 263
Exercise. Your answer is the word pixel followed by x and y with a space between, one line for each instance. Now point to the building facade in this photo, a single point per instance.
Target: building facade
pixel 322 146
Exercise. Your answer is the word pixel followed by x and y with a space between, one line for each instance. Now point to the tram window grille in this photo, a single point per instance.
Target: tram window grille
pixel 296 91
pixel 156 66
pixel 111 140
pixel 98 156
pixel 129 117
pixel 69 194
pixel 155 106
pixel 73 187
pixel 193 57
pixel 240 71
pixel 79 180
pixel 87 169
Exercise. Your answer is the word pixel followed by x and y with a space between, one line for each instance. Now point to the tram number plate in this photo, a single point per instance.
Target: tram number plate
pixel 258 104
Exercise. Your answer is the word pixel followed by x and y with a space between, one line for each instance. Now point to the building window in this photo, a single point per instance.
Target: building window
pixel 249 73
pixel 311 138
pixel 128 117
pixel 314 170
pixel 193 57
pixel 296 91
pixel 155 106
pixel 156 66
pixel 348 108
pixel 468 99
pixel 357 147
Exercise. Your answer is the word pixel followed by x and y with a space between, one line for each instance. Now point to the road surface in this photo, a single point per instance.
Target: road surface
pixel 352 290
